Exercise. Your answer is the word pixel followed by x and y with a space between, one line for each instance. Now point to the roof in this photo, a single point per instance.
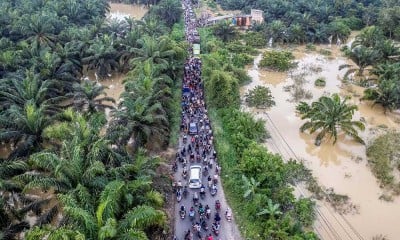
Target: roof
pixel 220 17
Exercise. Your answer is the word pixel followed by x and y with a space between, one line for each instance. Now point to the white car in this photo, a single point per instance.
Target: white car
pixel 195 176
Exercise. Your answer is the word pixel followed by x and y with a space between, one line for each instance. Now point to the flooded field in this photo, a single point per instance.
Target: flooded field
pixel 343 166
pixel 120 11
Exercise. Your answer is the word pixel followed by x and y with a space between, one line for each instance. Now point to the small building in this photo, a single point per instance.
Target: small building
pixel 243 20
pixel 257 15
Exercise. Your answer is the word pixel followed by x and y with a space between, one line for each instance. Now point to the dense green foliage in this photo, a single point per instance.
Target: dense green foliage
pixel 383 157
pixel 320 21
pixel 277 60
pixel 375 59
pixel 327 115
pixel 71 169
pixel 256 181
pixel 260 97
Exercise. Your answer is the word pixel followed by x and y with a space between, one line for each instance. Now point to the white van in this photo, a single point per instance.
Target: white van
pixel 195 176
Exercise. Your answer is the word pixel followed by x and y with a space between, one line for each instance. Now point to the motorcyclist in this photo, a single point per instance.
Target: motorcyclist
pixel 185 191
pixel 217 218
pixel 201 210
pixel 214 189
pixel 208 211
pixel 195 198
pixel 209 179
pixel 217 205
pixel 192 213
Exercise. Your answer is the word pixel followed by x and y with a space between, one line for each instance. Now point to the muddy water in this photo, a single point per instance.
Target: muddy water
pixel 333 165
pixel 120 11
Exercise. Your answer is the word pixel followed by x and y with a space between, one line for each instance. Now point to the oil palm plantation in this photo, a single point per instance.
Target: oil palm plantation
pixel 328 116
pixel 87 97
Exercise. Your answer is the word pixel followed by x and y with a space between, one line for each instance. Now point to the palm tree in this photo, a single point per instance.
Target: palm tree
pixel 271 210
pixel 157 50
pixel 170 11
pixel 138 118
pixel 386 94
pixel 23 127
pixel 369 37
pixel 102 56
pixel 362 57
pixel 225 31
pixel 38 28
pixel 329 114
pixel 19 88
pixel 87 97
pixel 250 186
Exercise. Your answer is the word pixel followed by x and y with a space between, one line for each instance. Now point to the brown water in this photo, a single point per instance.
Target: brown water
pixel 120 10
pixel 333 165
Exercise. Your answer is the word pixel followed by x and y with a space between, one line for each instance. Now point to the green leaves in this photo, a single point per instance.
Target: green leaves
pixel 327 115
pixel 260 97
pixel 277 60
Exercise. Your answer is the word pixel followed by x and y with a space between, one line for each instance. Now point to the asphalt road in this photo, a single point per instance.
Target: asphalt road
pixel 183 225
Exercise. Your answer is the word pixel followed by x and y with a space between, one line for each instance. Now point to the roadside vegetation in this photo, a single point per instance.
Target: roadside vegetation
pixel 256 181
pixel 72 173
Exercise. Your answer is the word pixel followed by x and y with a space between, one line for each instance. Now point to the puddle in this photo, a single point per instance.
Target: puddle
pixel 333 165
pixel 120 11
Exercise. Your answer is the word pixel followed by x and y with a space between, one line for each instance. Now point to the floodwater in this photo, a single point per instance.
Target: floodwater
pixel 343 166
pixel 121 10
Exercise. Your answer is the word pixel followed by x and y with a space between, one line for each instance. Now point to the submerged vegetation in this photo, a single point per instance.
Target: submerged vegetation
pixel 384 159
pixel 73 179
pixel 328 115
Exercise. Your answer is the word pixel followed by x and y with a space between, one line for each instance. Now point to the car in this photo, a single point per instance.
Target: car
pixel 193 130
pixel 195 176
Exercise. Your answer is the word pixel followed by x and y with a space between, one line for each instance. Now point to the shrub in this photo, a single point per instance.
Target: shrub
pixel 260 97
pixel 255 39
pixel 311 47
pixel 277 60
pixel 320 82
pixel 242 59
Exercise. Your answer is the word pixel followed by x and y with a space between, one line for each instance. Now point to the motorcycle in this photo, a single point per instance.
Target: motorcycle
pixel 178 195
pixel 203 192
pixel 215 228
pixel 213 190
pixel 208 212
pixel 182 214
pixel 185 192
pixel 209 182
pixel 175 167
pixel 217 205
pixel 184 173
pixel 205 171
pixel 192 214
pixel 215 179
pixel 228 214
pixel 195 199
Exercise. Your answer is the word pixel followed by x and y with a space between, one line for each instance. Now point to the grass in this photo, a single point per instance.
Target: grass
pixel 175 116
